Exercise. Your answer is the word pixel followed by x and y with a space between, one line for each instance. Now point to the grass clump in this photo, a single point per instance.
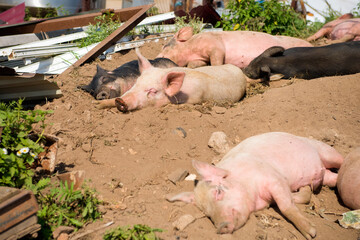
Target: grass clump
pixel 272 17
pixel 195 22
pixel 104 26
pixel 138 232
pixel 18 153
pixel 61 205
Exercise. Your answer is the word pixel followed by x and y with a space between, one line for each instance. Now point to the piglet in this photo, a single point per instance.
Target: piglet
pixel 343 29
pixel 223 47
pixel 110 84
pixel 262 169
pixel 159 86
pixel 348 183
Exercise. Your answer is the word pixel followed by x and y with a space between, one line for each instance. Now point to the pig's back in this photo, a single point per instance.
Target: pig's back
pixel 295 159
pixel 221 83
pixel 290 42
pixel 241 47
pixel 348 182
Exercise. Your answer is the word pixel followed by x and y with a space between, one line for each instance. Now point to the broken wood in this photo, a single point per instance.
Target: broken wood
pixel 57 23
pixel 115 36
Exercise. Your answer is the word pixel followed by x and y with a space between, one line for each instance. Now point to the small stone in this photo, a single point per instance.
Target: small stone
pixel 48 158
pixel 68 106
pixel 183 222
pixel 190 177
pixel 219 110
pixel 75 177
pixel 87 114
pixel 62 230
pixel 63 236
pixel 132 151
pixel 218 141
pixel 178 175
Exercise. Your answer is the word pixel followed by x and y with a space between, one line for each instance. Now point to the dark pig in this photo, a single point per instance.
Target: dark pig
pixel 306 63
pixel 348 182
pixel 263 169
pixel 111 84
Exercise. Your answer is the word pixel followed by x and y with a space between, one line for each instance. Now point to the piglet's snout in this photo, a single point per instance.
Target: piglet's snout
pixel 102 95
pixel 121 105
pixel 225 227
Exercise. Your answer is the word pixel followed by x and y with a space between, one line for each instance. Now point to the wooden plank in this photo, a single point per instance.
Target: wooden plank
pixel 28 88
pixel 58 23
pixel 112 38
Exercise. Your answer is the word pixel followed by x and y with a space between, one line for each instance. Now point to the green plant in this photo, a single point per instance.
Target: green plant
pixel 17 151
pixel 104 26
pixel 138 232
pixel 62 205
pixel 356 11
pixel 152 11
pixel 196 23
pixel 271 16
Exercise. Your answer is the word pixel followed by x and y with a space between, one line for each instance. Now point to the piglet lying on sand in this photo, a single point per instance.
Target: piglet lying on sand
pixel 343 29
pixel 217 48
pixel 307 62
pixel 260 170
pixel 158 86
pixel 348 182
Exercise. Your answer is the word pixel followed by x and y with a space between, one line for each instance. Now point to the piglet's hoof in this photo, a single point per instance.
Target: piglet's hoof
pixel 121 105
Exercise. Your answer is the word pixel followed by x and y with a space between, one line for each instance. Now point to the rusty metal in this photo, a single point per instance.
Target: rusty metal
pixel 114 37
pixel 52 24
pixel 15 206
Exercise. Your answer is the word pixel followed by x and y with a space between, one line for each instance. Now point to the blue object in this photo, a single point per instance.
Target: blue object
pixel 178 3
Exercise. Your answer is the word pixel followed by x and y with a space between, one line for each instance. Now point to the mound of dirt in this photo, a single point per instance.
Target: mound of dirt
pixel 128 157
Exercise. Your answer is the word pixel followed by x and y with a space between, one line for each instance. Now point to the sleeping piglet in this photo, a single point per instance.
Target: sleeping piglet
pixel 348 183
pixel 161 86
pixel 262 169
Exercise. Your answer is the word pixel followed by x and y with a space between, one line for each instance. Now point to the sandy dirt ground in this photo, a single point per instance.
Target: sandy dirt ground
pixel 128 157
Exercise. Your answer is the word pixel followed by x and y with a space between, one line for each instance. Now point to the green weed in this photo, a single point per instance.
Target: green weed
pixel 271 17
pixel 63 206
pixel 356 11
pixel 104 26
pixel 138 232
pixel 196 23
pixel 17 151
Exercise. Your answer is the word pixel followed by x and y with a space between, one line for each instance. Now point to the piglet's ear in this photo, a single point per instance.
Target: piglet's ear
pixel 209 172
pixel 172 82
pixel 184 34
pixel 143 62
pixel 100 70
pixel 187 197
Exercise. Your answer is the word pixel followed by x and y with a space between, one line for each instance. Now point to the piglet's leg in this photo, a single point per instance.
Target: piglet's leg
pixel 195 64
pixel 108 103
pixel 303 196
pixel 322 32
pixel 330 178
pixel 217 57
pixel 282 196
